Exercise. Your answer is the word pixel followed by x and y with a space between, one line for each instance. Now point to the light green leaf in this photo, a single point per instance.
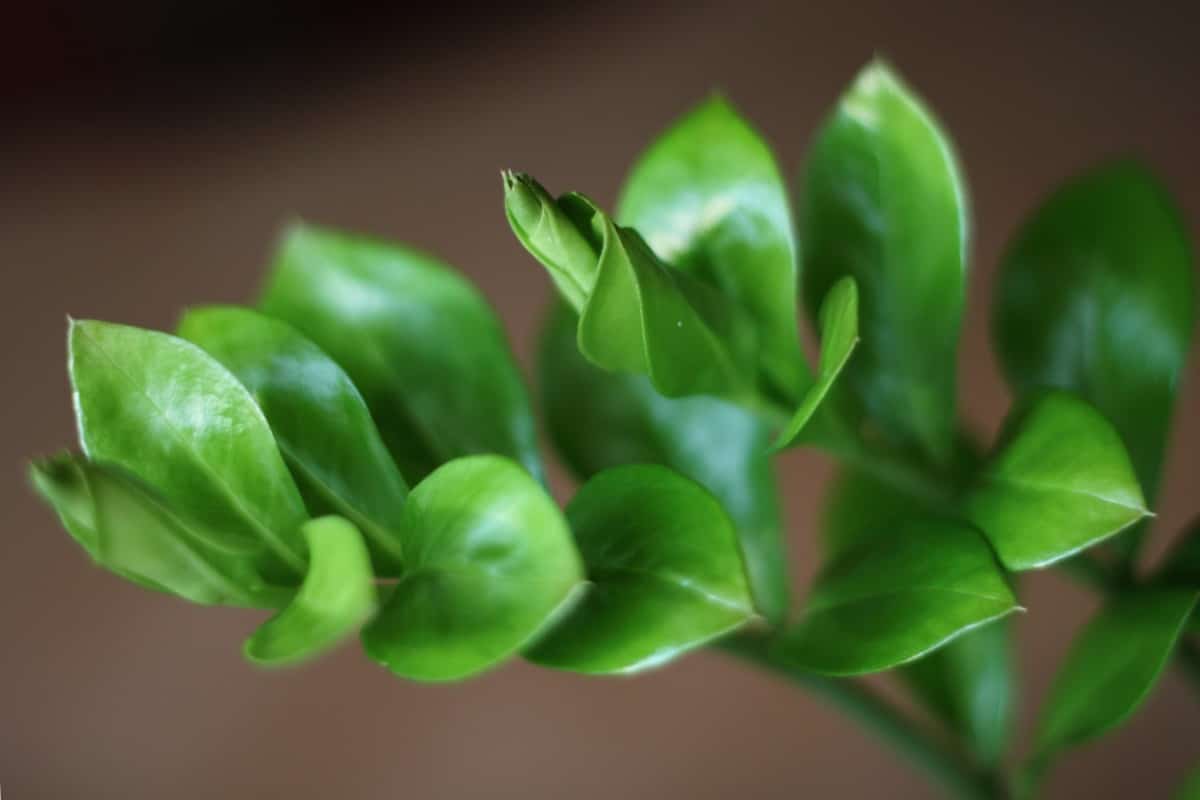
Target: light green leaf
pixel 490 564
pixel 1059 481
pixel 128 529
pixel 637 315
pixel 839 335
pixel 319 419
pixel 167 412
pixel 708 197
pixel 599 420
pixel 419 342
pixel 664 572
pixel 1096 296
pixel 884 202
pixel 336 597
pixel 1112 666
pixel 892 600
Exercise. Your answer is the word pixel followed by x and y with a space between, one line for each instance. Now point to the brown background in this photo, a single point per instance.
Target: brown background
pixel 149 185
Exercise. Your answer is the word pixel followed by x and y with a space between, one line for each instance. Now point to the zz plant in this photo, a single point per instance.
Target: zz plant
pixel 357 453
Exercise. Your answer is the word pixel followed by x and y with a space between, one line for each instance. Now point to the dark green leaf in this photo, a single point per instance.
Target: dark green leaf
pixel 419 342
pixel 884 202
pixel 1112 666
pixel 490 564
pixel 599 420
pixel 127 528
pixel 839 335
pixel 637 315
pixel 710 200
pixel 1182 564
pixel 336 597
pixel 895 599
pixel 1096 296
pixel 664 571
pixel 319 419
pixel 170 414
pixel 1060 481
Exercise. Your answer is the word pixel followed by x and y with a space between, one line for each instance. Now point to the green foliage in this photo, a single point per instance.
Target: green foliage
pixel 264 458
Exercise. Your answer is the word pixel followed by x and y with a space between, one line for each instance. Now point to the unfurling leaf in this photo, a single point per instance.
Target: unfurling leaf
pixel 489 564
pixel 664 574
pixel 599 420
pixel 896 598
pixel 1113 665
pixel 167 412
pixel 1059 481
pixel 336 597
pixel 420 343
pixel 884 202
pixel 319 419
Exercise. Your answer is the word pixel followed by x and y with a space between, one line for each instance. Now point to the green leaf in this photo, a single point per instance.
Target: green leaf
pixel 664 572
pixel 839 336
pixel 969 684
pixel 490 564
pixel 708 197
pixel 167 412
pixel 884 202
pixel 419 342
pixel 599 420
pixel 1112 666
pixel 1096 296
pixel 319 419
pixel 892 600
pixel 1182 563
pixel 128 529
pixel 1060 481
pixel 336 597
pixel 1190 788
pixel 637 315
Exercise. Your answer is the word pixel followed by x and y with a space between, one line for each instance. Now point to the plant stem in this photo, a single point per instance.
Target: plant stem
pixel 940 762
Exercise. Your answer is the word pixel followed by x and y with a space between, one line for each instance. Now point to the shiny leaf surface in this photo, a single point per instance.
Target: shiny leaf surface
pixel 490 564
pixel 1060 481
pixel 664 573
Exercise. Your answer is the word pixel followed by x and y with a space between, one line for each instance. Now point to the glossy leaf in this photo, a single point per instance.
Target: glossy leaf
pixel 636 314
pixel 128 529
pixel 319 419
pixel 599 420
pixel 839 336
pixel 1096 296
pixel 893 600
pixel 336 597
pixel 1112 666
pixel 1060 481
pixel 664 572
pixel 167 412
pixel 708 197
pixel 884 202
pixel 419 342
pixel 490 564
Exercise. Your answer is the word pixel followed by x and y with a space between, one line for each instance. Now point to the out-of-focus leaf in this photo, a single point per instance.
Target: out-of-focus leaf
pixel 1190 788
pixel 1096 296
pixel 1112 666
pixel 128 529
pixel 167 412
pixel 710 200
pixel 664 572
pixel 884 202
pixel 894 599
pixel 336 597
pixel 1182 564
pixel 489 565
pixel 839 335
pixel 319 419
pixel 419 342
pixel 599 420
pixel 1059 481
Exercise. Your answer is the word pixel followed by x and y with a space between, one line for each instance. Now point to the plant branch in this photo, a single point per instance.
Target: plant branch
pixel 949 767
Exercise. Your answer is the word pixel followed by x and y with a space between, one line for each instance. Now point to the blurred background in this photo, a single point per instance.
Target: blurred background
pixel 151 151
